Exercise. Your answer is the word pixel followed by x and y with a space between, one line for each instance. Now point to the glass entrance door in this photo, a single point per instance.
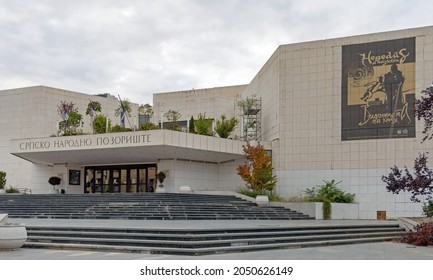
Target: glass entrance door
pixel 133 181
pixel 120 179
pixel 142 179
pixel 151 172
pixel 115 181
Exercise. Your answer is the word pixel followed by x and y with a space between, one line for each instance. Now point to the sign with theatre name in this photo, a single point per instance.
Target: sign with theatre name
pixel 378 90
pixel 77 142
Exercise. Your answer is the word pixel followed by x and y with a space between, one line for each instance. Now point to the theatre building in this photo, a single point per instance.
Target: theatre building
pixel 338 109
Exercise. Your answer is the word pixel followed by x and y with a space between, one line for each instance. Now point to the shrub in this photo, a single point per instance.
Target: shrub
pixel 421 235
pixel 118 128
pixel 12 190
pixel 428 209
pixel 100 124
pixel 275 197
pixel 54 181
pixel 257 171
pixel 418 184
pixel 160 176
pixel 203 125
pixel 329 191
pixel 225 127
pixel 2 179
pixel 251 192
pixel 149 126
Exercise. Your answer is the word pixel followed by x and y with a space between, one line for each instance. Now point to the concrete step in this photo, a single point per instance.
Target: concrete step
pixel 141 206
pixel 201 241
pixel 196 236
pixel 202 251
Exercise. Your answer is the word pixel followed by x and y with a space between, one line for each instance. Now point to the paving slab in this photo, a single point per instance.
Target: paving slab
pixel 370 251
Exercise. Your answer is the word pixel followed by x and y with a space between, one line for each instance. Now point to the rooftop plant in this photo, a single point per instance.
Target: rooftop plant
pixel 203 125
pixel 225 127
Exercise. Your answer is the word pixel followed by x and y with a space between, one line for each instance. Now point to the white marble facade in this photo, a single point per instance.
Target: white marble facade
pixel 301 91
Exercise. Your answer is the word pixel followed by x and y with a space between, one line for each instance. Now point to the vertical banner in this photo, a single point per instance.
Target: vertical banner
pixel 378 90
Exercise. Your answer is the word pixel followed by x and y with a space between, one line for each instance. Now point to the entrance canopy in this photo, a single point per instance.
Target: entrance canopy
pixel 128 147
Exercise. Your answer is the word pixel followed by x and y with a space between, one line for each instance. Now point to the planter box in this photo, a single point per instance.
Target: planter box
pixel 340 211
pixel 12 236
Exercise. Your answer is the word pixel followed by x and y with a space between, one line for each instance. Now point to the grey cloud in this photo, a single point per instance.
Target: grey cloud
pixel 136 48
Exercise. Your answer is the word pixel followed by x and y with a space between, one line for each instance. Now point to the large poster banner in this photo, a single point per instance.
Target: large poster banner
pixel 378 90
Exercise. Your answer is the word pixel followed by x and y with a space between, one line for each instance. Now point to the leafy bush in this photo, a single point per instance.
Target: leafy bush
pixel 100 124
pixel 418 184
pixel 149 126
pixel 118 128
pixel 160 176
pixel 428 209
pixel 251 192
pixel 257 171
pixel 297 199
pixel 421 235
pixel 329 192
pixel 12 190
pixel 54 181
pixel 203 125
pixel 225 127
pixel 275 197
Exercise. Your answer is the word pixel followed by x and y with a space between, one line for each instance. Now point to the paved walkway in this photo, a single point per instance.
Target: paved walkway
pixel 371 251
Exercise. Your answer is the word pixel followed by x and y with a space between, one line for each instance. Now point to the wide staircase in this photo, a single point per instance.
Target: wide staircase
pixel 146 206
pixel 203 242
pixel 172 240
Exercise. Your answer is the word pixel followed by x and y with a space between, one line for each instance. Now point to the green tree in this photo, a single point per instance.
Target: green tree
pixel 172 117
pixel 124 106
pixel 248 104
pixel 225 127
pixel 65 109
pixel 191 125
pixel 74 121
pixel 146 110
pixel 127 105
pixel 203 125
pixel 250 108
pixel 96 107
pixel 100 124
pixel 257 171
pixel 93 107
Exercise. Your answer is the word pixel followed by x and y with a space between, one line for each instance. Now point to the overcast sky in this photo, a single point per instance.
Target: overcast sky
pixel 137 48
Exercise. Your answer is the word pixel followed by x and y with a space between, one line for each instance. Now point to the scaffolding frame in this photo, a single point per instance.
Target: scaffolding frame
pixel 252 121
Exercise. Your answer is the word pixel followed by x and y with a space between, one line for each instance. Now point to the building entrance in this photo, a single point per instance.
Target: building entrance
pixel 120 179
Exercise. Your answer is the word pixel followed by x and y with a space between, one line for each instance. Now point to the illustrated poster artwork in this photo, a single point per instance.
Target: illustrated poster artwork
pixel 378 90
